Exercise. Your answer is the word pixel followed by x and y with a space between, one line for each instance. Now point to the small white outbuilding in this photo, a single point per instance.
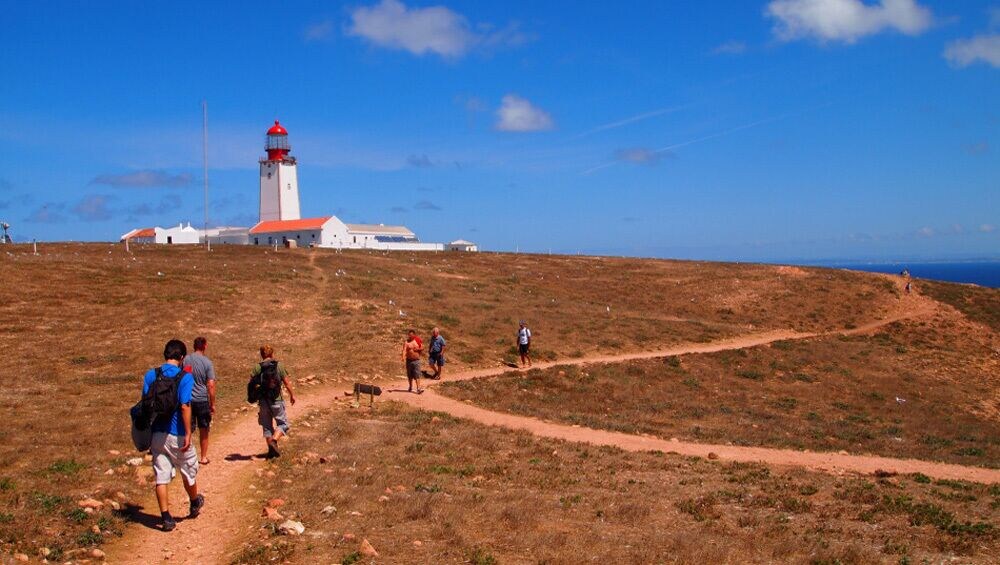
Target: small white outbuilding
pixel 462 245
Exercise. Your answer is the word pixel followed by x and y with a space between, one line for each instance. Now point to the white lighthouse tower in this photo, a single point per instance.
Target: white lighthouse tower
pixel 279 180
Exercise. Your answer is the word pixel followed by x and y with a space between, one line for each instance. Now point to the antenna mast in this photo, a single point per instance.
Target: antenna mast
pixel 204 158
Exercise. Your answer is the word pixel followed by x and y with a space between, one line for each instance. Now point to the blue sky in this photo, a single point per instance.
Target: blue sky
pixel 744 130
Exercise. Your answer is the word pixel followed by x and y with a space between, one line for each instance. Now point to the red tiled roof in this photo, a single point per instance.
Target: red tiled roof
pixel 290 225
pixel 146 232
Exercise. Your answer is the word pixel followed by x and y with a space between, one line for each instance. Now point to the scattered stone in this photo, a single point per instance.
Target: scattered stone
pixel 713 455
pixel 114 452
pixel 272 514
pixel 367 550
pixel 88 510
pixel 291 528
pixel 109 472
pixel 20 557
pixel 348 537
pixel 388 490
pixel 96 529
pixel 91 503
pixel 327 510
pixel 45 552
pixel 121 496
pixel 399 488
pixel 276 503
pixel 147 458
pixel 435 420
pixel 842 452
pixel 354 513
pixel 97 553
pixel 270 474
pixel 674 440
pixel 115 505
pixel 383 498
pixel 417 543
pixel 135 461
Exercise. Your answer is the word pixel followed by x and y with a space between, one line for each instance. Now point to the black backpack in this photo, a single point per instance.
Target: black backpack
pixel 160 401
pixel 267 385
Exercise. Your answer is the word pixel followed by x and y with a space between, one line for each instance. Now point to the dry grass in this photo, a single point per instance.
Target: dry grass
pixel 926 391
pixel 83 322
pixel 470 493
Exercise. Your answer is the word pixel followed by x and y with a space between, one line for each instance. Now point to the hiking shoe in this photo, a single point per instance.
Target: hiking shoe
pixel 196 505
pixel 169 524
pixel 272 452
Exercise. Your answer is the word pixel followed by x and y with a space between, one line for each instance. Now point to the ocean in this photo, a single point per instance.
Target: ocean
pixel 983 273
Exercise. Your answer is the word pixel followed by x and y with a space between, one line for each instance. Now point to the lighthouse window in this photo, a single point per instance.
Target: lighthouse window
pixel 268 175
pixel 289 186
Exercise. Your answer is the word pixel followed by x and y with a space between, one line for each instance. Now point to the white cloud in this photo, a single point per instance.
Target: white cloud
pixel 730 48
pixel 435 29
pixel 987 228
pixel 965 52
pixel 518 114
pixel 926 232
pixel 318 31
pixel 846 20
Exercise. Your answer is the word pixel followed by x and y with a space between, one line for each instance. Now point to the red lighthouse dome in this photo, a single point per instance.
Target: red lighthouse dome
pixel 277 143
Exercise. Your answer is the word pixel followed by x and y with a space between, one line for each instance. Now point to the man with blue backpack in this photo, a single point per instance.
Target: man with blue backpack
pixel 166 405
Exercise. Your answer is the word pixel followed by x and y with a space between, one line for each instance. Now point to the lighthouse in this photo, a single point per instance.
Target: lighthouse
pixel 279 181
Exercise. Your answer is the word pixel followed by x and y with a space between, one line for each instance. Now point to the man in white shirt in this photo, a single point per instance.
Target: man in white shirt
pixel 524 344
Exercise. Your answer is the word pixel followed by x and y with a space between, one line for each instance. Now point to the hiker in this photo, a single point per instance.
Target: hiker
pixel 524 343
pixel 412 349
pixel 269 376
pixel 909 287
pixel 435 357
pixel 203 394
pixel 166 398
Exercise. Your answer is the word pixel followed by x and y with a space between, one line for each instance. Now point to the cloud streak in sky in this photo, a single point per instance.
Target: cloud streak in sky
pixel 631 120
pixel 846 20
pixel 669 149
pixel 144 179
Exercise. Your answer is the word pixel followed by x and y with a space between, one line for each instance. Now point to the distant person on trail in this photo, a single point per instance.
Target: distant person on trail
pixel 909 287
pixel 166 398
pixel 266 381
pixel 524 344
pixel 435 356
pixel 412 349
pixel 203 394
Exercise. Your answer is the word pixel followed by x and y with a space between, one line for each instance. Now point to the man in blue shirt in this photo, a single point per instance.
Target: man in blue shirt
pixel 171 446
pixel 436 356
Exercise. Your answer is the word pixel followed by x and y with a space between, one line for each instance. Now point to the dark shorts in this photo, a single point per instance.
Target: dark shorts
pixel 201 416
pixel 413 369
pixel 523 348
pixel 436 359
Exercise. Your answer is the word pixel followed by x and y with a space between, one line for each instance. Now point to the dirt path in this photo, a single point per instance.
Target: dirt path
pixel 817 461
pixel 224 521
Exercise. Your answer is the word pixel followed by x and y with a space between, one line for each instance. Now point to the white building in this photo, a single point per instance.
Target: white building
pixel 180 235
pixel 225 236
pixel 462 245
pixel 329 231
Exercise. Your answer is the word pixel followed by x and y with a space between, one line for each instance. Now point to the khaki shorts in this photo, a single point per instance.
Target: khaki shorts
pixel 167 456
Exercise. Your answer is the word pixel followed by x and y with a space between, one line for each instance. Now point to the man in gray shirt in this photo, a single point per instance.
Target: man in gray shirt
pixel 203 394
